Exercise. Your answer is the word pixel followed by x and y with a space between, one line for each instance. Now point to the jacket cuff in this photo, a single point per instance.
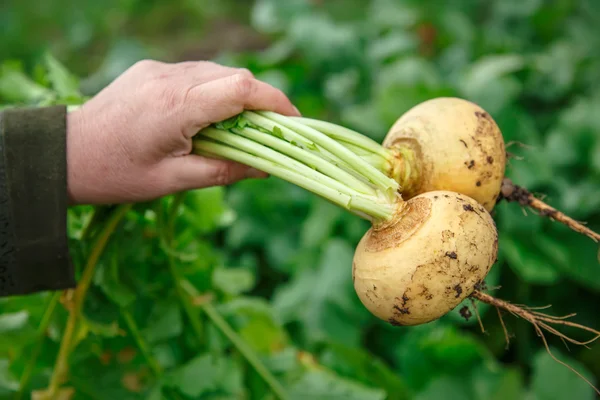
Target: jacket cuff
pixel 34 253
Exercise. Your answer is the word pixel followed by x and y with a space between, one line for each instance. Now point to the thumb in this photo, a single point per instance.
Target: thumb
pixel 195 172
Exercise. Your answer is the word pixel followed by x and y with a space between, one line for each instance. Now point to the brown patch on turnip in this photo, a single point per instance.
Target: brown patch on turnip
pixel 451 254
pixel 541 322
pixel 458 289
pixel 515 193
pixel 468 207
pixel 405 223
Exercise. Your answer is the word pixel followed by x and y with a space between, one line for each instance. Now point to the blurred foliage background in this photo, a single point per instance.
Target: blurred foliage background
pixel 275 261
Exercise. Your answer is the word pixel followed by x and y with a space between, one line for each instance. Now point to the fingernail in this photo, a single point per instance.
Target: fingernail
pixel 254 173
pixel 297 111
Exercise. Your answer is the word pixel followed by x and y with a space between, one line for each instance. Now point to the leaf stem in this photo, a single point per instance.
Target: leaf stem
pixel 166 234
pixel 141 342
pixel 61 367
pixel 239 343
pixel 373 209
pixel 306 157
pixel 376 176
pixel 281 159
pixel 41 333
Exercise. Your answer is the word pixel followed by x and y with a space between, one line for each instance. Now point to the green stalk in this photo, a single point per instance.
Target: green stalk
pixel 166 238
pixel 376 176
pixel 61 367
pixel 295 137
pixel 376 210
pixel 343 134
pixel 141 343
pixel 41 334
pixel 278 158
pixel 305 156
pixel 239 343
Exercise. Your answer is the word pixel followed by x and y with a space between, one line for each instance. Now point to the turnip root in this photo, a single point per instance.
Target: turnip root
pixel 426 260
pixel 455 146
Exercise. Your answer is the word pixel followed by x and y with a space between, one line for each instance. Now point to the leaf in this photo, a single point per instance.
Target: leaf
pixel 320 223
pixel 205 209
pixel 444 387
pixel 324 385
pixel 323 300
pixel 63 82
pixel 17 87
pixel 255 321
pixel 233 281
pixel 497 384
pixel 164 322
pixel 527 264
pixel 488 81
pixel 430 351
pixel 361 366
pixel 7 380
pixel 13 321
pixel 552 380
pixel 205 375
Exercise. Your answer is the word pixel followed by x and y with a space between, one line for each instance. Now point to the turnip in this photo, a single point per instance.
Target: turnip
pixel 427 192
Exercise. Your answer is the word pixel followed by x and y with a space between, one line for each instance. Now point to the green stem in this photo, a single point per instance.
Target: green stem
pixel 41 334
pixel 239 343
pixel 259 150
pixel 374 209
pixel 343 134
pixel 61 367
pixel 306 157
pixel 166 233
pixel 141 343
pixel 376 176
pixel 292 136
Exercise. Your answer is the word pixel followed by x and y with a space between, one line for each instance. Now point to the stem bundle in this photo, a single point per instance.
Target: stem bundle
pixel 306 153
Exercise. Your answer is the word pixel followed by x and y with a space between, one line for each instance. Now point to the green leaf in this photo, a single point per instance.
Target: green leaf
pixel 432 350
pixel 206 375
pixel 17 87
pixel 323 300
pixel 497 384
pixel 254 320
pixel 205 209
pixel 362 366
pixel 324 385
pixel 445 387
pixel 13 321
pixel 164 322
pixel 63 82
pixel 320 223
pixel 552 380
pixel 526 263
pixel 233 281
pixel 7 380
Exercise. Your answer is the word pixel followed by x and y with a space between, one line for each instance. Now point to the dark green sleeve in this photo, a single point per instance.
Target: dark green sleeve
pixel 34 253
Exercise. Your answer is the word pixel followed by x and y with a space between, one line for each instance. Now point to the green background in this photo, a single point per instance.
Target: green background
pixel 274 260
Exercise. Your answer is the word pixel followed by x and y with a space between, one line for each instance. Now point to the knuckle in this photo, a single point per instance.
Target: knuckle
pixel 146 65
pixel 243 85
pixel 223 175
pixel 245 72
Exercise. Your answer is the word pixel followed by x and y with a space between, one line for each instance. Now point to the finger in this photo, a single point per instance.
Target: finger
pixel 224 98
pixel 198 72
pixel 196 172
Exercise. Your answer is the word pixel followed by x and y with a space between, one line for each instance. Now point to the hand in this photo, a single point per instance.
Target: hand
pixel 132 141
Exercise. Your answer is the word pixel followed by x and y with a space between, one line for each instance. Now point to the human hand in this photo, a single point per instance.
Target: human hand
pixel 133 141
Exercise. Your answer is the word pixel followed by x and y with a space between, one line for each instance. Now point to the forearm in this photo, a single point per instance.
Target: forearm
pixel 33 201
